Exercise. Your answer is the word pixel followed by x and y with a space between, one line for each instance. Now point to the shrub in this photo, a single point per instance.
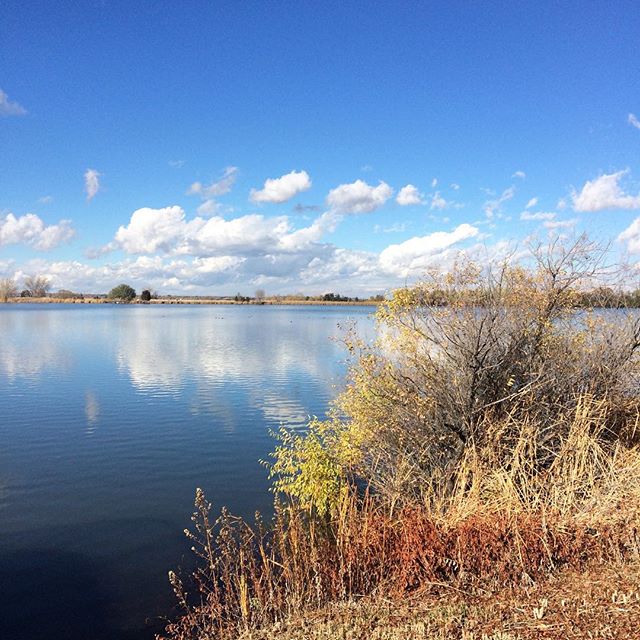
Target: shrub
pixel 145 295
pixel 65 294
pixel 503 365
pixel 122 292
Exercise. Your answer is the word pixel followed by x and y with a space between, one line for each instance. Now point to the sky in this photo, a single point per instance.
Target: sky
pixel 212 148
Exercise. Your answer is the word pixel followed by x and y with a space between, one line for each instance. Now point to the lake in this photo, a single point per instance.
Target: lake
pixel 110 417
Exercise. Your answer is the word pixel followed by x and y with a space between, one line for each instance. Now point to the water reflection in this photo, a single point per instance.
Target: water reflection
pixel 259 352
pixel 27 344
pixel 91 410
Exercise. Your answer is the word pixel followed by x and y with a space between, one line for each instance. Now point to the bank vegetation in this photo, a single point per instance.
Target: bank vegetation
pixel 477 450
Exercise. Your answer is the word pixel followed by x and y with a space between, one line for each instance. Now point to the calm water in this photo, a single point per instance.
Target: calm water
pixel 110 417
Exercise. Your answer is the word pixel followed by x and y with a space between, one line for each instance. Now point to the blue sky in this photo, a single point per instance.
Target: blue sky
pixel 137 141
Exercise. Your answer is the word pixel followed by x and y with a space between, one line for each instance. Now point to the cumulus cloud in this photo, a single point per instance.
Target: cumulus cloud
pixel 45 200
pixel 633 121
pixel 9 108
pixel 519 174
pixel 418 252
pixel 492 207
pixel 281 189
pixel 168 231
pixel 30 230
pixel 409 195
pixel 455 186
pixel 358 197
pixel 631 235
pixel 532 203
pixel 604 192
pixel 434 183
pixel 91 183
pixel 538 215
pixel 218 187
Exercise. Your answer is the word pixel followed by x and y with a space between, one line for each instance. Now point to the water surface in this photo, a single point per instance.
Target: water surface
pixel 110 416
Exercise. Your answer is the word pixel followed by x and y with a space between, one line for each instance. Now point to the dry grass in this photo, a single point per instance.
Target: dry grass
pixel 600 601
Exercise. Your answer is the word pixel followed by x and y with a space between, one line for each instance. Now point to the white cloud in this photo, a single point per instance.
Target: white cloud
pixel 209 208
pixel 538 215
pixel 492 207
pixel 398 227
pixel 434 183
pixel 177 164
pixel 91 183
pixel 281 189
pixel 8 108
pixel 358 197
pixel 519 174
pixel 455 186
pixel 631 235
pixel 7 268
pixel 217 187
pixel 560 224
pixel 604 192
pixel 532 203
pixel 409 195
pixel 633 121
pixel 438 202
pixel 168 231
pixel 418 252
pixel 30 230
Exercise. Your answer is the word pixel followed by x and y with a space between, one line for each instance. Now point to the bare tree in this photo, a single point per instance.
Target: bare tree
pixel 7 289
pixel 260 295
pixel 37 286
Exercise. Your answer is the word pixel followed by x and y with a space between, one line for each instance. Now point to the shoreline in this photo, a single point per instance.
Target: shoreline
pixel 196 301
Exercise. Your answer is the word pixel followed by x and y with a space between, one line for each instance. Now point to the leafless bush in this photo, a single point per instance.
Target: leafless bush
pixel 8 289
pixel 37 286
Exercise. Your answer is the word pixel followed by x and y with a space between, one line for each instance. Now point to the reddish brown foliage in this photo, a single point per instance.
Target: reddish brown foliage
pixel 251 578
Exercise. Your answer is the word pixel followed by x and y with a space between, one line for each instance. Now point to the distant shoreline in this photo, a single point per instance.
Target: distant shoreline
pixel 197 301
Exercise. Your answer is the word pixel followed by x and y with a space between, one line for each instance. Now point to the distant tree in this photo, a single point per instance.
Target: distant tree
pixel 145 296
pixel 65 294
pixel 7 289
pixel 122 292
pixel 37 286
pixel 260 295
pixel 25 293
